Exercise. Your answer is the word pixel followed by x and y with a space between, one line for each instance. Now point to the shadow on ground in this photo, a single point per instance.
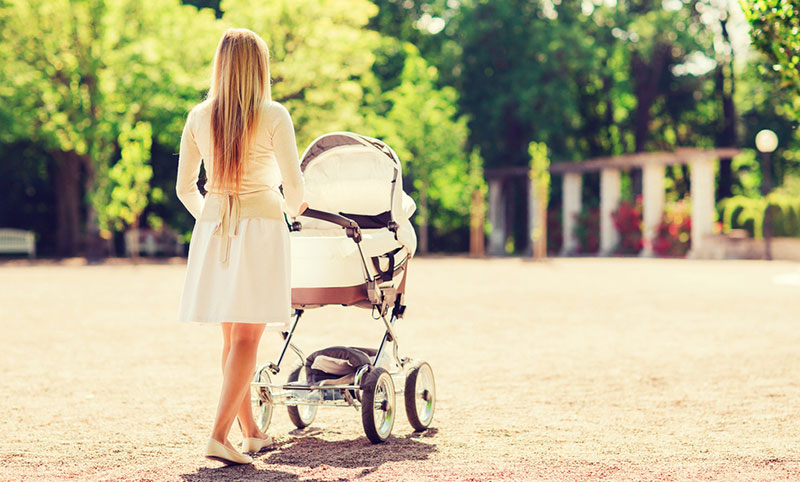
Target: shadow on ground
pixel 307 452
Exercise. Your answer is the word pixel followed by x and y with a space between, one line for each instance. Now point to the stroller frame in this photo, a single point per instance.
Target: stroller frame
pixel 372 389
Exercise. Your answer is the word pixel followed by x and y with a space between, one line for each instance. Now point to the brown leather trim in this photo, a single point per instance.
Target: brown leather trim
pixel 346 295
pixel 402 288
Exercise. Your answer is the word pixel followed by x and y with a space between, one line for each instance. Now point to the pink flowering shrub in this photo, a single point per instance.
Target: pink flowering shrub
pixel 673 236
pixel 628 221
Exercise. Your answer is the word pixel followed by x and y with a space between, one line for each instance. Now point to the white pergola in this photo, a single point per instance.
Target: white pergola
pixel 653 165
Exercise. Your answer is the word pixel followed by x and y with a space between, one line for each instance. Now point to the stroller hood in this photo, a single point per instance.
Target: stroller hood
pixel 359 177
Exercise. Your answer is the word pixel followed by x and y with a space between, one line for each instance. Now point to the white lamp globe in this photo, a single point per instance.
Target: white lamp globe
pixel 766 140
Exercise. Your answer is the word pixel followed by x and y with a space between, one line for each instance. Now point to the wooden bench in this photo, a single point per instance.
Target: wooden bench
pixel 17 241
pixel 151 243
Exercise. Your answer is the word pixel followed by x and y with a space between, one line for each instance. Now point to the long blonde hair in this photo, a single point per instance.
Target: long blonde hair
pixel 240 86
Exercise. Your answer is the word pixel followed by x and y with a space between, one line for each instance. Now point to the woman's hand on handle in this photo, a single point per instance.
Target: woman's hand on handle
pixel 300 210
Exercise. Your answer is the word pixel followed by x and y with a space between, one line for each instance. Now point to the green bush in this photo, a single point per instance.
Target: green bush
pixel 740 212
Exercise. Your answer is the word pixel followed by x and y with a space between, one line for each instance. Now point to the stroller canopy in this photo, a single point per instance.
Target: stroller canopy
pixel 359 177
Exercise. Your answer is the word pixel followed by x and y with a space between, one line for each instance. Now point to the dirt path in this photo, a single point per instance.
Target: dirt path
pixel 574 369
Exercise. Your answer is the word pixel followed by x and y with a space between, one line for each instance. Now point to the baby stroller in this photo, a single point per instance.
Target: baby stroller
pixel 351 249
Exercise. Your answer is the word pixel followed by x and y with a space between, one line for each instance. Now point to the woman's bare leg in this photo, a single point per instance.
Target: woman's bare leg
pixel 245 412
pixel 237 372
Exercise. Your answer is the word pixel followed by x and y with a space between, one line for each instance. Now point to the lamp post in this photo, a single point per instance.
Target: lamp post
pixel 766 143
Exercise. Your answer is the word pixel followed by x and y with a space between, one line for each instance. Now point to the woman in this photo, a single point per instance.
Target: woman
pixel 238 268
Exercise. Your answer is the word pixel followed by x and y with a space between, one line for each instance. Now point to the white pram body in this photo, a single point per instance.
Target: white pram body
pixel 358 178
pixel 351 247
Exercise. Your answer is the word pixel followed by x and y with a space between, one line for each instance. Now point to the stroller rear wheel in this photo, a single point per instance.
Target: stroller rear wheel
pixel 420 395
pixel 377 405
pixel 300 415
pixel 261 400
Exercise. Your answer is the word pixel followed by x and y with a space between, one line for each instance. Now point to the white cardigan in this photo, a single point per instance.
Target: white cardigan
pixel 271 160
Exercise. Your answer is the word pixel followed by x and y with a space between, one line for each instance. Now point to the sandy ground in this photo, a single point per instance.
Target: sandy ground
pixel 572 369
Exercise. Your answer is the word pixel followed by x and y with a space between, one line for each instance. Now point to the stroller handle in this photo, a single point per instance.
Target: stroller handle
pixel 350 226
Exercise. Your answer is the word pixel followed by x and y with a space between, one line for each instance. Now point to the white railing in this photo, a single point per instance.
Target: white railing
pixel 150 243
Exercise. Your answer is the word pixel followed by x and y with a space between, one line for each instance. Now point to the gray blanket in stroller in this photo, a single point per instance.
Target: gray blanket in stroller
pixel 337 363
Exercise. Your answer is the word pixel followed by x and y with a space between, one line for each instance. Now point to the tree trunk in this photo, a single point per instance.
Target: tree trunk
pixel 516 137
pixel 727 135
pixel 95 247
pixel 477 219
pixel 66 178
pixel 646 78
pixel 422 246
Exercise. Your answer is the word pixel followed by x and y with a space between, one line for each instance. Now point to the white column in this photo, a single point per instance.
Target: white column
pixel 610 193
pixel 653 203
pixel 702 191
pixel 497 218
pixel 571 192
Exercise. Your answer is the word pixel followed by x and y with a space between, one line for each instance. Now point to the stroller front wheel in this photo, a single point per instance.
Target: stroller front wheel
pixel 377 405
pixel 420 396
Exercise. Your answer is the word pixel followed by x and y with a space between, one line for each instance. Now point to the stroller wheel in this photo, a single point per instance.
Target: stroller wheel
pixel 420 395
pixel 377 405
pixel 261 399
pixel 300 415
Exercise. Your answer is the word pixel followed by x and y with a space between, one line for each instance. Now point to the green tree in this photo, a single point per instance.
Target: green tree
pixel 427 24
pixel 122 195
pixel 324 71
pixel 515 82
pixel 585 78
pixel 776 33
pixel 95 67
pixel 764 102
pixel 423 127
pixel 320 58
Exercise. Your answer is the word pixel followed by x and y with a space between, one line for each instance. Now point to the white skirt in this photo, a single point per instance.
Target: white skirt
pixel 254 286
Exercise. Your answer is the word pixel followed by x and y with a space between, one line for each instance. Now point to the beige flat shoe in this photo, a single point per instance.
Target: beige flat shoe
pixel 221 453
pixel 255 445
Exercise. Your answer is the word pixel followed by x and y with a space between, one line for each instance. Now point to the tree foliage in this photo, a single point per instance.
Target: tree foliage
pixel 584 78
pixel 427 24
pixel 94 93
pixel 424 128
pixel 320 58
pixel 776 33
pixel 98 65
pixel 123 193
pixel 95 67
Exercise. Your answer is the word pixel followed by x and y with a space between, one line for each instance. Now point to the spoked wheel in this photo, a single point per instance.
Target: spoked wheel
pixel 377 405
pixel 261 399
pixel 420 394
pixel 301 415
